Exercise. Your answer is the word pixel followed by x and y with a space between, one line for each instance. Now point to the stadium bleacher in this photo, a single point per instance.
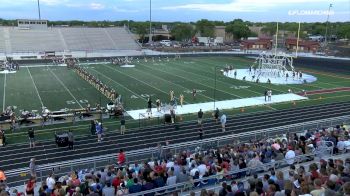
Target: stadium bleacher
pixel 63 39
pixel 2 41
pixel 46 152
pixel 34 40
pixel 195 170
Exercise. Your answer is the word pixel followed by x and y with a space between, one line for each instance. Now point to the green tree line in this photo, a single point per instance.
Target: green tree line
pixel 185 31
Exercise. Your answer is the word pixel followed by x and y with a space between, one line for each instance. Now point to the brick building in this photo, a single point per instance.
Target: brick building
pixel 257 44
pixel 304 45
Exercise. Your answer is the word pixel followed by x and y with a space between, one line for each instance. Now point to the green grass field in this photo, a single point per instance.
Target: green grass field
pixel 57 87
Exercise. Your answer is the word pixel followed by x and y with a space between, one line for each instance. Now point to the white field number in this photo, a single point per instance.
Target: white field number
pixel 239 87
pixel 141 95
pixel 72 102
pixel 197 90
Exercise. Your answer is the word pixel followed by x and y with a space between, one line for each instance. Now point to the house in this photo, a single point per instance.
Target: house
pixel 303 46
pixel 257 44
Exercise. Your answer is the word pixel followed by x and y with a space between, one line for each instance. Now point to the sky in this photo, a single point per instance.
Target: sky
pixel 179 10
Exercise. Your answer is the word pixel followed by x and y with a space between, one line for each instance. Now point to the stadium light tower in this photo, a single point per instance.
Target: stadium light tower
pixel 150 22
pixel 325 37
pixel 39 9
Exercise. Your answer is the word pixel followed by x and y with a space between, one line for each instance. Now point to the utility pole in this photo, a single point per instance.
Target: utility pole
pixel 39 9
pixel 150 21
pixel 326 35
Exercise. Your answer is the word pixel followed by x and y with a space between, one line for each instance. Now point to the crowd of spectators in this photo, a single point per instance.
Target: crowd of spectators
pixel 226 163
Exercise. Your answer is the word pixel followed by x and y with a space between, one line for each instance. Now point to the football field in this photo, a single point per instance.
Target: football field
pixel 57 88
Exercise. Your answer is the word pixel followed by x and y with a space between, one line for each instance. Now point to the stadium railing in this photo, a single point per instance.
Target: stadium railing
pixel 19 176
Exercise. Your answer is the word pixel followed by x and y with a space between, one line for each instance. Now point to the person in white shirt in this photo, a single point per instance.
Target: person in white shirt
pixel 170 164
pixel 269 94
pixel 193 170
pixel 223 122
pixel 290 155
pixel 50 182
pixel 341 145
pixel 202 168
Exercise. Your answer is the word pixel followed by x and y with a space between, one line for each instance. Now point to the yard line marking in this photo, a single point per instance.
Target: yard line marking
pixel 64 86
pixel 4 98
pixel 209 78
pixel 268 106
pixel 136 79
pixel 36 89
pixel 154 76
pixel 195 82
pixel 119 84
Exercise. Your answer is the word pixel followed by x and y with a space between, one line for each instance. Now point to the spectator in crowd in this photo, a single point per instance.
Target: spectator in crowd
pixel 171 180
pixel 93 127
pixel 328 177
pixel 50 182
pixel 2 175
pixel 70 140
pixel 121 157
pixel 136 187
pixel 223 190
pixel 290 155
pixel 99 131
pixel 30 186
pixel 123 190
pixel 318 189
pixel 31 137
pixel 122 125
pixel 200 117
pixel 32 167
pixel 2 137
pixel 216 115
pixel 223 122
pixel 200 131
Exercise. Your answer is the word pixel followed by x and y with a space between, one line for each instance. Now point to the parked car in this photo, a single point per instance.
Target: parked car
pixel 165 42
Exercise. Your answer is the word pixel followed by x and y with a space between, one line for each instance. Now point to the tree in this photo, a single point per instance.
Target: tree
pixel 344 31
pixel 205 28
pixel 182 32
pixel 269 28
pixel 141 30
pixel 238 29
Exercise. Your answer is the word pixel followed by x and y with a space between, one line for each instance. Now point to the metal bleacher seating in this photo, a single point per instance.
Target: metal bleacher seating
pixel 2 41
pixel 34 40
pixel 68 38
pixel 122 38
